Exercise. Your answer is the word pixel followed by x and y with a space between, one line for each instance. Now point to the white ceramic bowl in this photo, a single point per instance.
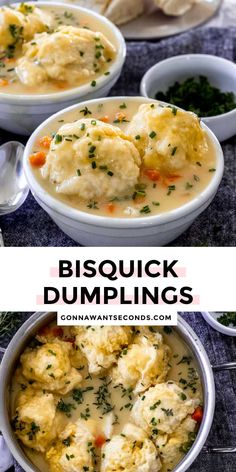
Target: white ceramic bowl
pixel 220 72
pixel 22 114
pixel 211 318
pixel 92 230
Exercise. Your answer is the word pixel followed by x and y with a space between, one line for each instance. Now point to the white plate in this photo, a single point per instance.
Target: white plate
pixel 211 318
pixel 154 24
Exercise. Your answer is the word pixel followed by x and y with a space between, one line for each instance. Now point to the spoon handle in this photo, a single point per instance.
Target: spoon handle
pixel 219 450
pixel 1 239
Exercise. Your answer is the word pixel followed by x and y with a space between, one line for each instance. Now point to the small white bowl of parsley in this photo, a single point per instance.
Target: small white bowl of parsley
pixel 201 83
pixel 224 322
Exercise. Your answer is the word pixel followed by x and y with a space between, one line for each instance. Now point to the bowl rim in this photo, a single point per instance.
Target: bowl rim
pixel 183 58
pixel 84 89
pixel 188 336
pixel 212 321
pixel 65 210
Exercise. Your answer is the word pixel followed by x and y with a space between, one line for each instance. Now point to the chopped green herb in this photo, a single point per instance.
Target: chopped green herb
pixel 196 94
pixel 152 135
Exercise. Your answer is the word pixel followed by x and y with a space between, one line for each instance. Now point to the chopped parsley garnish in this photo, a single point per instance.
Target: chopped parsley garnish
pixel 188 186
pixel 168 411
pixel 145 209
pixel 67 441
pixel 185 360
pixel 110 173
pixel 228 318
pixel 138 137
pixel 93 205
pixel 123 106
pixel 103 397
pixel 78 394
pixel 212 169
pixel 152 135
pixel 86 112
pixel 174 150
pixel 171 188
pixel 196 94
pixel 65 407
pixel 93 83
pixel 78 172
pixel 153 407
pixel 58 138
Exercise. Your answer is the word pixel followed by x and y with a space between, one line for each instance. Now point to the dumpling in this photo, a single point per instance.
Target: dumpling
pixel 162 408
pixel 178 442
pixel 74 450
pixel 48 367
pixel 70 54
pixel 130 451
pixel 145 362
pixel 35 419
pixel 97 161
pixel 175 7
pixel 121 11
pixel 102 344
pixel 169 137
pixel 21 23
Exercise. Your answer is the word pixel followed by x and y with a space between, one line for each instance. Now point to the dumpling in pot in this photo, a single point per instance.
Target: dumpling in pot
pixel 34 421
pixel 145 362
pixel 121 11
pixel 169 137
pixel 163 407
pixel 98 161
pixel 70 54
pixel 48 367
pixel 102 344
pixel 21 23
pixel 177 443
pixel 74 450
pixel 130 451
pixel 175 7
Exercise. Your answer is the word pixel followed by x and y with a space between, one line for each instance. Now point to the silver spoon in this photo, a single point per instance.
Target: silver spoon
pixel 13 185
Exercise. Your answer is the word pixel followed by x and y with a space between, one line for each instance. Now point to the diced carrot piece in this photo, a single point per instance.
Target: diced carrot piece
pixel 152 174
pixel 105 119
pixel 139 199
pixel 61 84
pixel 111 207
pixel 3 82
pixel 45 141
pixel 57 332
pixel 37 159
pixel 198 414
pixel 173 177
pixel 8 59
pixel 99 441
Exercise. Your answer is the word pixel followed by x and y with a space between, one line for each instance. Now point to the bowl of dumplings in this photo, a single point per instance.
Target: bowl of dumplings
pixel 123 171
pixel 51 57
pixel 105 398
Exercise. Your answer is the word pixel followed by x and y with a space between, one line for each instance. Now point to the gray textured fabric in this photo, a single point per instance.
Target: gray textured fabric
pixel 220 349
pixel 216 226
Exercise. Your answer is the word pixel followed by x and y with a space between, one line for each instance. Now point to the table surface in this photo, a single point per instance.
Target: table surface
pixel 220 349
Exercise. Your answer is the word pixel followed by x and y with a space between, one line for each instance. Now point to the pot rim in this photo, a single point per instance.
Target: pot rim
pixel 38 319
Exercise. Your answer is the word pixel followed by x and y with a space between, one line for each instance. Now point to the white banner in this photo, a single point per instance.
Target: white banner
pixel 117 281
